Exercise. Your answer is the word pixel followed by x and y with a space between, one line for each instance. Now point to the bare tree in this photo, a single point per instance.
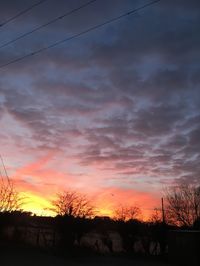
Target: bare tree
pixel 156 216
pixel 10 199
pixel 124 213
pixel 183 204
pixel 72 203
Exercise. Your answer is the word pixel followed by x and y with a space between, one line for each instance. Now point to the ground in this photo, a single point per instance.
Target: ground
pixel 27 257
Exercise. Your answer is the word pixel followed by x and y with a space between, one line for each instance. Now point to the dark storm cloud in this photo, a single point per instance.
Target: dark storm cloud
pixel 126 95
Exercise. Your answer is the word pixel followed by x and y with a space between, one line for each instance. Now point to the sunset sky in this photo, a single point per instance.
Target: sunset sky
pixel 113 113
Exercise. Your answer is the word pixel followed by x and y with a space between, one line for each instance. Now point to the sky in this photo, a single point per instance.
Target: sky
pixel 113 113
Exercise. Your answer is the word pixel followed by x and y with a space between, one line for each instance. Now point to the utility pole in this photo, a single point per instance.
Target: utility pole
pixel 163 211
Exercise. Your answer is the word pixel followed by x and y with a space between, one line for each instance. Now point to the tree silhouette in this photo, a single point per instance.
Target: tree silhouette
pixel 72 203
pixel 10 199
pixel 124 213
pixel 183 204
pixel 156 216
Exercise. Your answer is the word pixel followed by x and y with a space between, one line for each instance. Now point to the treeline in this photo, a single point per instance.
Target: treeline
pixel 181 208
pixel 71 235
pixel 77 228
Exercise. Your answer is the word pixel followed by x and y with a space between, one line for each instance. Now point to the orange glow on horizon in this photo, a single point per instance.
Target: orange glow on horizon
pixel 36 204
pixel 104 205
pixel 40 181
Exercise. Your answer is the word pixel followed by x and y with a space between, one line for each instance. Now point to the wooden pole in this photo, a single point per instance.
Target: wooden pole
pixel 163 210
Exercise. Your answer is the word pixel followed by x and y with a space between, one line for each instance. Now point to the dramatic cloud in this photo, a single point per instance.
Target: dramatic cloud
pixel 116 109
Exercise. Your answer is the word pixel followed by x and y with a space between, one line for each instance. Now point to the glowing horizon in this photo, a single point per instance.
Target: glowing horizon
pixel 41 207
pixel 105 199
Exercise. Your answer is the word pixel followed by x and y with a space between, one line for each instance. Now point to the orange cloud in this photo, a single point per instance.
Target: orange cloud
pixel 41 177
pixel 40 181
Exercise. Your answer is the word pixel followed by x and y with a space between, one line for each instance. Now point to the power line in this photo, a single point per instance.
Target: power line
pixel 79 34
pixel 22 13
pixel 5 171
pixel 48 23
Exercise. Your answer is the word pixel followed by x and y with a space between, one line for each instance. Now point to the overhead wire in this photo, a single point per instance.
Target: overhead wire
pixel 5 171
pixel 21 13
pixel 47 24
pixel 79 34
